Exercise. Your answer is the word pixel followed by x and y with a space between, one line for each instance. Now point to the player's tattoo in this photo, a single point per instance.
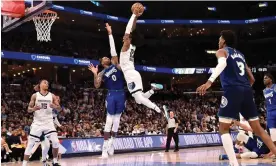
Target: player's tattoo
pixel 98 79
pixel 32 103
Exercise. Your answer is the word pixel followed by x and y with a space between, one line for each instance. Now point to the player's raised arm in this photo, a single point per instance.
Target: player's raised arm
pixel 114 59
pixel 32 107
pixel 137 10
pixel 221 55
pixel 250 75
pixel 97 77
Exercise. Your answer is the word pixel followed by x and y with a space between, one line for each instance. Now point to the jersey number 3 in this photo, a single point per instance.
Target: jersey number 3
pixel 241 67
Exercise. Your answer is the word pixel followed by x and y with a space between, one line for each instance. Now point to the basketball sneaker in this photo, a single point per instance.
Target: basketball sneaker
pixel 155 86
pixel 223 157
pixel 110 147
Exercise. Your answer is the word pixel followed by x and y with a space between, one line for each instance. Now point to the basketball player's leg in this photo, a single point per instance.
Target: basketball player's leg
pixel 120 105
pixel 36 145
pixel 154 87
pixel 45 146
pixel 135 87
pixel 51 134
pixel 110 106
pixel 35 133
pixel 229 109
pixel 249 112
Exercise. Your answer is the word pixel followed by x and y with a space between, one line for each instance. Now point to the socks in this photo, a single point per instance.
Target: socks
pixel 229 148
pixel 24 163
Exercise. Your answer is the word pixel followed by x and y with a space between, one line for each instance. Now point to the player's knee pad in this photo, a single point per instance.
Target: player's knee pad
pixel 116 122
pixel 108 123
pixel 242 137
pixel 273 134
pixel 54 138
pixel 31 143
pixel 247 155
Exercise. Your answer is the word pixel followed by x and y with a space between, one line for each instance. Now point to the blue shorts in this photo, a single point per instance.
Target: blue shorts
pixel 235 100
pixel 115 102
pixel 271 123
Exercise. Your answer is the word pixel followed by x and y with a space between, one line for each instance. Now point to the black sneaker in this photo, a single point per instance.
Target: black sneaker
pixel 166 151
pixel 45 163
pixel 176 150
pixel 56 164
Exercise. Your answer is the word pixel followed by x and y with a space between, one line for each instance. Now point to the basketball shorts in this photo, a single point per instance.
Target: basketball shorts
pixel 115 102
pixel 134 81
pixel 38 130
pixel 235 100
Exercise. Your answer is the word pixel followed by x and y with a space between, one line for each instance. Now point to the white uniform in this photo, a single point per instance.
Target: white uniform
pixel 43 118
pixel 133 77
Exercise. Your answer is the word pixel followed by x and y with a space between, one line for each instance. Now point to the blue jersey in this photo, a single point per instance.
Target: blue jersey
pixel 270 101
pixel 114 81
pixel 256 145
pixel 235 72
pixel 113 78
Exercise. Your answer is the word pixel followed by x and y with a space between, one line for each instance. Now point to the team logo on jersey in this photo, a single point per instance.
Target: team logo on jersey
pixel 131 86
pixel 224 102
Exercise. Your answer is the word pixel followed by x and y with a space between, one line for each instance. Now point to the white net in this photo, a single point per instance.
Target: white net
pixel 43 23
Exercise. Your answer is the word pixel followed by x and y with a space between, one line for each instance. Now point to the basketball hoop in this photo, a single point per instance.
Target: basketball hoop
pixel 43 23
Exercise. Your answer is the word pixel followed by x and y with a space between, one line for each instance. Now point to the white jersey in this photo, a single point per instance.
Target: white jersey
pixel 127 59
pixel 45 114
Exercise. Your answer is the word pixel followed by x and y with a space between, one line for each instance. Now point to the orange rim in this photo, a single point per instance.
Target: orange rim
pixel 49 11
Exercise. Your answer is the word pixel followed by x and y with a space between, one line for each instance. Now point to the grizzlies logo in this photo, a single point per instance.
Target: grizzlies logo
pixel 224 102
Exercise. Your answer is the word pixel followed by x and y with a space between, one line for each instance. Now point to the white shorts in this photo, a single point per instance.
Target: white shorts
pixel 47 129
pixel 134 81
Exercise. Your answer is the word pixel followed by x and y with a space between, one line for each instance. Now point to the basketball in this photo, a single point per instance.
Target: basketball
pixel 137 9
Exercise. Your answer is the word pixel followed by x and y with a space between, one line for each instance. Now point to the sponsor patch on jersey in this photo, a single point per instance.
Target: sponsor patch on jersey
pixel 131 85
pixel 224 102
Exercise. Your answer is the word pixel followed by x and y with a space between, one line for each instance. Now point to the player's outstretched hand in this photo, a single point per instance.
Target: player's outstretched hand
pixel 203 88
pixel 93 69
pixel 108 28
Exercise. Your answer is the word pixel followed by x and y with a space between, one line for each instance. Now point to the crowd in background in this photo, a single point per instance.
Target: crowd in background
pixel 84 111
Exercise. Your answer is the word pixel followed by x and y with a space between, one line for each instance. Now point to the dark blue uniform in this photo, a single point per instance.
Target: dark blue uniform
pixel 238 96
pixel 114 81
pixel 270 102
pixel 257 145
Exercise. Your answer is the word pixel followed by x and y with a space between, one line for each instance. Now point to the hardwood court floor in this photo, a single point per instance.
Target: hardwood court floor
pixel 190 157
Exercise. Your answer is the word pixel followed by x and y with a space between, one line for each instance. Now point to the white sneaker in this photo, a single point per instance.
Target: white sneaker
pixel 111 150
pixel 156 86
pixel 104 154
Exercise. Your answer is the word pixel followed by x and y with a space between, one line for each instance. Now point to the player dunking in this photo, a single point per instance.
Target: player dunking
pixel 113 79
pixel 133 77
pixel 238 95
pixel 41 106
pixel 270 103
